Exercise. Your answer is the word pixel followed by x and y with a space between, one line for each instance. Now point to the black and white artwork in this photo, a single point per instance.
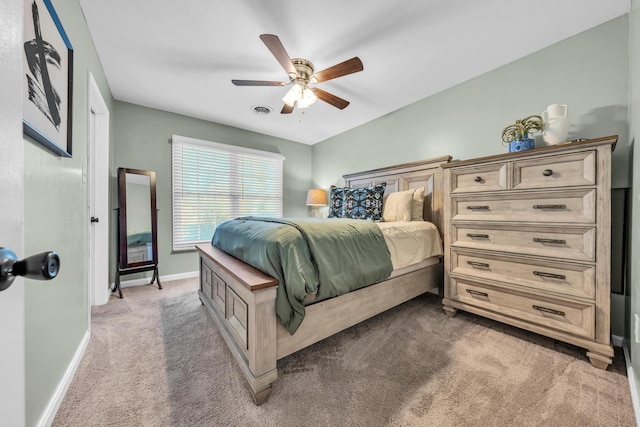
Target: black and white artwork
pixel 48 78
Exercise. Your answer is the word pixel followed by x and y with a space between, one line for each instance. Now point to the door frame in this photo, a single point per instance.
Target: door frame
pixel 12 300
pixel 97 151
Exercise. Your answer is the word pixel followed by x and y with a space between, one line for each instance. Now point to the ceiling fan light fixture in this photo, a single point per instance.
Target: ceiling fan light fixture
pixel 308 96
pixel 300 94
pixel 294 94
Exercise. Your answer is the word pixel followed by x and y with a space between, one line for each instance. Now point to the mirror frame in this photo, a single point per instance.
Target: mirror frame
pixel 122 218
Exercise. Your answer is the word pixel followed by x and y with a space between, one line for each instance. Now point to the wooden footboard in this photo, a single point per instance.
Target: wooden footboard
pixel 241 301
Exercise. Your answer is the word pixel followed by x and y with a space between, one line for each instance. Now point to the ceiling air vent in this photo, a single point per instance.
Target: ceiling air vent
pixel 261 110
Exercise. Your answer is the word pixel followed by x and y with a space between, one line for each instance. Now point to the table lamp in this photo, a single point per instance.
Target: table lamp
pixel 316 198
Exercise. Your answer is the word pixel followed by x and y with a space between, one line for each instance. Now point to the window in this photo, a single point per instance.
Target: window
pixel 212 183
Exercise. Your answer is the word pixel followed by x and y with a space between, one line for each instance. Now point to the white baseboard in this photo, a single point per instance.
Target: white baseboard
pixel 56 400
pixel 632 382
pixel 168 278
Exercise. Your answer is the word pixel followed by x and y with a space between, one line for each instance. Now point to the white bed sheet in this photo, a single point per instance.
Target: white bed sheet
pixel 411 242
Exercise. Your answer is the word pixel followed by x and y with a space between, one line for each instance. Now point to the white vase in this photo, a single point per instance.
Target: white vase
pixel 555 128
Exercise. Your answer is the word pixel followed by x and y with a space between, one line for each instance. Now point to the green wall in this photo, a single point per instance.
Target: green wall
pixel 588 72
pixel 56 218
pixel 142 141
pixel 634 235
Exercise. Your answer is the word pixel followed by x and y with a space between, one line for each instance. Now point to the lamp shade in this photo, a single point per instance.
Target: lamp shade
pixel 300 94
pixel 316 197
pixel 293 95
pixel 307 97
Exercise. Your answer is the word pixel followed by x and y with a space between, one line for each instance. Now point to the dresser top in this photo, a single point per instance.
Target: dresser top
pixel 585 143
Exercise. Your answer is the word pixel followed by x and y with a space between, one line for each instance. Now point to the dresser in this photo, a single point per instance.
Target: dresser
pixel 527 241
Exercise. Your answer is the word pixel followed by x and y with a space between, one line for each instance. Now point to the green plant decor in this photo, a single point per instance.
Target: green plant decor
pixel 521 129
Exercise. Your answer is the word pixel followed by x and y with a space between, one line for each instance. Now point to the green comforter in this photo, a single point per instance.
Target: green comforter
pixel 308 256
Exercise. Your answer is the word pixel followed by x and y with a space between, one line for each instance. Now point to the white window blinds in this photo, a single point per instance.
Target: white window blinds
pixel 212 183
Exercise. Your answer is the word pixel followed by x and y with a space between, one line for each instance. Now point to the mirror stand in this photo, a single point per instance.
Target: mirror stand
pixel 137 225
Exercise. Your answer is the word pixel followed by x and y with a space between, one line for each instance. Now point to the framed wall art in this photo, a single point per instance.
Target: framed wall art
pixel 48 78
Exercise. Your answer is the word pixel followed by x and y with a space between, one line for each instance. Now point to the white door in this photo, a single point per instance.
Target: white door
pixel 98 188
pixel 12 325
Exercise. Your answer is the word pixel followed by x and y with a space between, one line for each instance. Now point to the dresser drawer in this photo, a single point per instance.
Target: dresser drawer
pixel 479 178
pixel 572 317
pixel 574 243
pixel 567 170
pixel 574 280
pixel 571 206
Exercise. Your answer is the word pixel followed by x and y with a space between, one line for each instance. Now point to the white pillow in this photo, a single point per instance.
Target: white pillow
pixel 417 205
pixel 397 206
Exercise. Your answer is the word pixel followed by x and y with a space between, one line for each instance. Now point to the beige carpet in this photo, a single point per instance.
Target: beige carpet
pixel 156 359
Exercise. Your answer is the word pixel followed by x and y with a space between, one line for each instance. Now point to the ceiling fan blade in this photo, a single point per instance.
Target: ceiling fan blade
pixel 286 109
pixel 277 49
pixel 257 83
pixel 349 66
pixel 330 98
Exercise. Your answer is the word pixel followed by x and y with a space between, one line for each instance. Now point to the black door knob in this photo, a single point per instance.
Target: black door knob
pixel 94 219
pixel 42 266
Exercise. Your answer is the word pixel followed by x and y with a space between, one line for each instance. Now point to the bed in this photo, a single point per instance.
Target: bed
pixel 242 299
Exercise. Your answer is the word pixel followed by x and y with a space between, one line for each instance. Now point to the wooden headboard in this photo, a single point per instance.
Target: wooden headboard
pixel 424 173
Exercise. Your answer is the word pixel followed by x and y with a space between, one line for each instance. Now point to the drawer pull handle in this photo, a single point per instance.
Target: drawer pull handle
pixel 549 310
pixel 550 275
pixel 547 172
pixel 478 179
pixel 556 241
pixel 478 264
pixel 478 208
pixel 479 236
pixel 549 206
pixel 478 293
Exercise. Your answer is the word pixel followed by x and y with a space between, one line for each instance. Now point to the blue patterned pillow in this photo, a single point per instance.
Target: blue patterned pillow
pixel 336 199
pixel 364 203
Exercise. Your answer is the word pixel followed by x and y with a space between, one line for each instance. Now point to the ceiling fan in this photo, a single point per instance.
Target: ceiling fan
pixel 301 74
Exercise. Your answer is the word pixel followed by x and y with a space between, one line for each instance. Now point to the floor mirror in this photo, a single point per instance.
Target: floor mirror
pixel 137 243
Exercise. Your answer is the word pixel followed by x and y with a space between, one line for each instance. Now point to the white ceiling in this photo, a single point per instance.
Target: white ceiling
pixel 180 56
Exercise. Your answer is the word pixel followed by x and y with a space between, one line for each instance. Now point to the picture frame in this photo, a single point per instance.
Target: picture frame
pixel 48 78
